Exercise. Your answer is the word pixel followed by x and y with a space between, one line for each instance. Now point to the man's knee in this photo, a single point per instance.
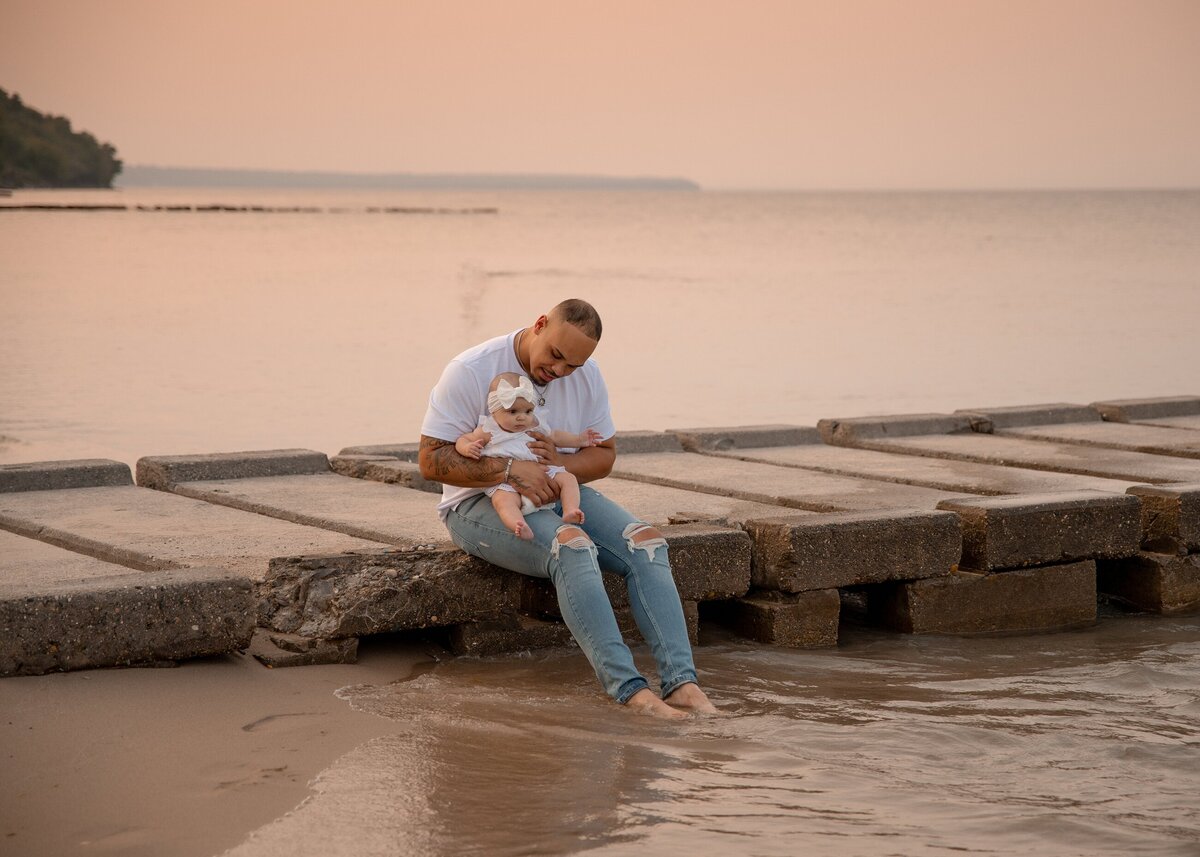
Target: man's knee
pixel 569 536
pixel 641 536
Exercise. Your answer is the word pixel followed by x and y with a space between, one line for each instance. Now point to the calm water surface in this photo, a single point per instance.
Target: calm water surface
pixel 133 333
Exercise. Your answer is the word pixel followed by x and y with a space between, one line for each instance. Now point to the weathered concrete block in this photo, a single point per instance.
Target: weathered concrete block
pixel 803 553
pixel 1132 410
pixel 804 620
pixel 56 475
pixel 1040 529
pixel 512 632
pixel 162 471
pixel 630 442
pixel 402 451
pixel 519 632
pixel 745 437
pixel 849 432
pixel 379 468
pixel 276 650
pixel 1156 582
pixel 126 619
pixel 1049 598
pixel 1170 517
pixel 987 419
pixel 371 592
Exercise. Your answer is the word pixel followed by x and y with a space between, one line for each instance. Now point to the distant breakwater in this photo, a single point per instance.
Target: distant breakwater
pixel 258 209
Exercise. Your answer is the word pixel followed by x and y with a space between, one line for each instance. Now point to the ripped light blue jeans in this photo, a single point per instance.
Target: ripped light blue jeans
pixel 574 569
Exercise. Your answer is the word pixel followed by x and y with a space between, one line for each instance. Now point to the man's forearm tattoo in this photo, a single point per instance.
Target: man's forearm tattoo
pixel 444 460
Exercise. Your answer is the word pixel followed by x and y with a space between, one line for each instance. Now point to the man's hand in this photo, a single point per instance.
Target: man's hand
pixel 543 447
pixel 529 478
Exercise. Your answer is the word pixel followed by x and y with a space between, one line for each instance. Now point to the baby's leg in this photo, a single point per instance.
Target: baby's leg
pixel 508 506
pixel 568 495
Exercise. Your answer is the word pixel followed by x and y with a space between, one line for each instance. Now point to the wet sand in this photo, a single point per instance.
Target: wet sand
pixel 176 761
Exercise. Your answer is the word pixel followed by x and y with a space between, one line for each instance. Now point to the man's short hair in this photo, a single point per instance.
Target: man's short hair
pixel 581 314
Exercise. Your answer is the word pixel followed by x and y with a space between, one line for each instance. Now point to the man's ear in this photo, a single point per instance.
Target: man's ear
pixel 540 324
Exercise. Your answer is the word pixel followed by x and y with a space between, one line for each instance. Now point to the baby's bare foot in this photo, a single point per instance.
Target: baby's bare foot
pixel 575 516
pixel 645 702
pixel 522 531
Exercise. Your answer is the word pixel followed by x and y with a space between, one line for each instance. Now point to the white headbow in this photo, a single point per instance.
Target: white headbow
pixel 505 394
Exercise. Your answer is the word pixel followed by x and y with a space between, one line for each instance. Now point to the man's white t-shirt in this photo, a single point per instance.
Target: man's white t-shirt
pixel 575 403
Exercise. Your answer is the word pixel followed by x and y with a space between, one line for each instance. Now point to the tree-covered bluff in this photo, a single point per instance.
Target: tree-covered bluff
pixel 39 150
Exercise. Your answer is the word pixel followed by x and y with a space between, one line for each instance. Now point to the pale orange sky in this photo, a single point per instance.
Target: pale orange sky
pixel 839 94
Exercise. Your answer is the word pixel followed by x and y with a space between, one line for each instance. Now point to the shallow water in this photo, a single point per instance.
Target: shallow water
pixel 1083 743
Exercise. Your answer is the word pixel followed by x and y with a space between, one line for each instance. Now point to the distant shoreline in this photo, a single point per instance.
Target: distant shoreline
pixel 152 176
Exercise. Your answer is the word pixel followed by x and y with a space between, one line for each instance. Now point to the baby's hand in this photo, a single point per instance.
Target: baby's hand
pixel 591 437
pixel 470 448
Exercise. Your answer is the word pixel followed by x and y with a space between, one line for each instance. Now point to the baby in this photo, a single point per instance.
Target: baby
pixel 502 433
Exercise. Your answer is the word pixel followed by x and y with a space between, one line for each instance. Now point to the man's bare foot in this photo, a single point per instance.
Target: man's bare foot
pixel 522 531
pixel 645 702
pixel 575 516
pixel 690 697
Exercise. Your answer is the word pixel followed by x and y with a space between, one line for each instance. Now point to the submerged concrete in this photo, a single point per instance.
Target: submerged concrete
pixel 1159 583
pixel 804 620
pixel 1050 598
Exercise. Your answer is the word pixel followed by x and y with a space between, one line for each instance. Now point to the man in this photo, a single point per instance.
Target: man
pixel 555 354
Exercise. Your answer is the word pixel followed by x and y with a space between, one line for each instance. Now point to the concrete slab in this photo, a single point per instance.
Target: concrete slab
pixel 1158 583
pixel 277 651
pixel 1170 517
pixel 1041 529
pixel 799 554
pixel 805 620
pixel 941 473
pixel 379 468
pixel 146 529
pixel 1035 455
pixel 853 431
pixel 1050 598
pixel 782 486
pixel 1149 410
pixel 402 451
pixel 1156 440
pixel 57 475
pixel 160 471
pixel 371 592
pixel 391 514
pixel 63 611
pixel 646 441
pixel 1029 415
pixel 697 439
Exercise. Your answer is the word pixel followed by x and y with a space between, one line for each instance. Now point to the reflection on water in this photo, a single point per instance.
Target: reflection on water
pixel 1078 743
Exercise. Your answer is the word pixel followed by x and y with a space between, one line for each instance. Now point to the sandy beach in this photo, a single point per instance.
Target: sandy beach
pixel 176 761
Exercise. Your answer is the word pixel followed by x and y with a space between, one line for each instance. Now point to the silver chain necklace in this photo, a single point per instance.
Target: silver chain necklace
pixel 540 388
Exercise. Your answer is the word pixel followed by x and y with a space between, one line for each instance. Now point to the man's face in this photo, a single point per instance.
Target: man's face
pixel 557 349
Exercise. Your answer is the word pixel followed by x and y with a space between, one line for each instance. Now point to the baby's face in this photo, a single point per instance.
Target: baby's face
pixel 517 418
